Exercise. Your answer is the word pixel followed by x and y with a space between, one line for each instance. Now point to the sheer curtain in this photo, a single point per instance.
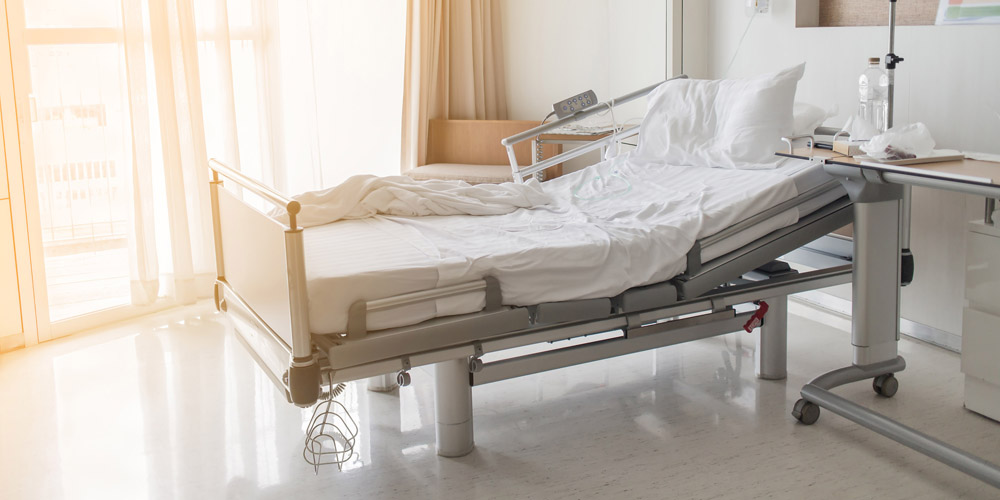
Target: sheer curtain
pixel 170 235
pixel 454 68
pixel 300 94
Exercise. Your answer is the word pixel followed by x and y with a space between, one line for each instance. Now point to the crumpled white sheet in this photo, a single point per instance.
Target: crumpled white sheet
pixel 363 196
pixel 578 247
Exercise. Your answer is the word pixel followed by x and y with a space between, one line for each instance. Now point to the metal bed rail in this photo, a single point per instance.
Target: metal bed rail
pixel 301 377
pixel 279 200
pixel 519 175
pixel 694 255
pixel 509 142
pixel 770 212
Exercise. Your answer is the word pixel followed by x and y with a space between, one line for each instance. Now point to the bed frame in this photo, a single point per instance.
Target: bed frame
pixel 261 286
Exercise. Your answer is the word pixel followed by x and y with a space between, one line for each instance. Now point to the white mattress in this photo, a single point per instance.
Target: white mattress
pixel 634 229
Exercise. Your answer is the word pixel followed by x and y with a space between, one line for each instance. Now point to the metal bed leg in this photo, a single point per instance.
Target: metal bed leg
pixel 453 403
pixel 383 383
pixel 771 355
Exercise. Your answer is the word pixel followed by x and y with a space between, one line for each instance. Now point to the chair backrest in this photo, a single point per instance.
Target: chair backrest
pixel 477 142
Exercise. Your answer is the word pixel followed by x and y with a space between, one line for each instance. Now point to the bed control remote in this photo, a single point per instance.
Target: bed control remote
pixel 573 104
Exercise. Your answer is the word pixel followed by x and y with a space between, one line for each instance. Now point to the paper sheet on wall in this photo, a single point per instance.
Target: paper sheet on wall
pixel 968 12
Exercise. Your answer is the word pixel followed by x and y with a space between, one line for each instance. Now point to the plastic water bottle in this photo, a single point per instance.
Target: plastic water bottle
pixel 873 93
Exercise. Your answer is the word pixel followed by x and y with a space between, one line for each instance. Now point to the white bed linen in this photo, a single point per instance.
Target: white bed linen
pixel 363 196
pixel 572 249
pixel 735 123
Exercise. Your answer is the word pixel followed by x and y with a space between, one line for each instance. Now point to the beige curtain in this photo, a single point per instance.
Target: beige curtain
pixel 268 87
pixel 454 68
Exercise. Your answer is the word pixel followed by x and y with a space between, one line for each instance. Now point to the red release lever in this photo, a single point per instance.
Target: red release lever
pixel 757 318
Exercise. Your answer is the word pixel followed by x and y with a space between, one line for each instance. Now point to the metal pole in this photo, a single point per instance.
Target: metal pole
pixel 453 405
pixel 890 69
pixel 890 64
pixel 938 450
pixel 771 356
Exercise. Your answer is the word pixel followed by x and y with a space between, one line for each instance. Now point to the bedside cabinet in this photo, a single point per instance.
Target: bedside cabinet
pixel 981 320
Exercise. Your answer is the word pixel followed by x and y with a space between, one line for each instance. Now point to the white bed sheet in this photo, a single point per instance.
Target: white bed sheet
pixel 573 250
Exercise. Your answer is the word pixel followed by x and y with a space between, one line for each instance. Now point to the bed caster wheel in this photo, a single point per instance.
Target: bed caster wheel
pixel 805 412
pixel 475 364
pixel 885 385
pixel 403 379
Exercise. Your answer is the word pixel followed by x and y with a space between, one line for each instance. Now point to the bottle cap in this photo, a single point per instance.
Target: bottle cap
pixel 874 60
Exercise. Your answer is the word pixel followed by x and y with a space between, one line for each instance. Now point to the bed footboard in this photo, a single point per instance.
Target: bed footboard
pixel 261 276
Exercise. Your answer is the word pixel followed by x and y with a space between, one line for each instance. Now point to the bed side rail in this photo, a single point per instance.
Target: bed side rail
pixel 261 262
pixel 723 269
pixel 521 173
pixel 694 256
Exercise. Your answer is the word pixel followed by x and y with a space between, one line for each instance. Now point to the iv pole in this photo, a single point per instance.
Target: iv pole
pixel 891 59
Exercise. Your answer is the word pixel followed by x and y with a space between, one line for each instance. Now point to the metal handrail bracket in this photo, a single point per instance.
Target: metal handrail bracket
pixel 277 199
pixel 509 142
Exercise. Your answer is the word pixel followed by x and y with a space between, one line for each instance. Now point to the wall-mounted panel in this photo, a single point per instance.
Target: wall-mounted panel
pixel 812 13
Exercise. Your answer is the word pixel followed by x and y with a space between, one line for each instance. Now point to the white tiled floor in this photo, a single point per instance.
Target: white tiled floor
pixel 170 406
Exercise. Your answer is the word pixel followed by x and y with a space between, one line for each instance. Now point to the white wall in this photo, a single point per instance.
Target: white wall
pixel 949 80
pixel 557 48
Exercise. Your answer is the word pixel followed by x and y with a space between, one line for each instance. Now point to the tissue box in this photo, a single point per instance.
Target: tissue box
pixel 849 148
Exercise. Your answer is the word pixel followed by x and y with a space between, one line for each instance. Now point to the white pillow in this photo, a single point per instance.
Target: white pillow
pixel 807 117
pixel 719 123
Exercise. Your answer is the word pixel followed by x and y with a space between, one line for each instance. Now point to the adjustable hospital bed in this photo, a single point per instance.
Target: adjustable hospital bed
pixel 351 300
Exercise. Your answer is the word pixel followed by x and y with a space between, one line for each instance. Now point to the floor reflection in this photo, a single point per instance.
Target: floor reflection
pixel 172 406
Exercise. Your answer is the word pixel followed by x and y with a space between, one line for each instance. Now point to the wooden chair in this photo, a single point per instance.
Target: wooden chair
pixel 470 150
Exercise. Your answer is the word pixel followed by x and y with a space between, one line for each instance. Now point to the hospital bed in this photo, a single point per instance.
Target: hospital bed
pixel 350 300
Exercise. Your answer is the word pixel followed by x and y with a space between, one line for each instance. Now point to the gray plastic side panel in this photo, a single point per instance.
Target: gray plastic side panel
pixel 649 297
pixel 573 310
pixel 429 335
pixel 772 246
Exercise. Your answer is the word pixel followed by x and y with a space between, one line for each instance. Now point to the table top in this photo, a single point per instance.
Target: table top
pixel 973 168
pixel 569 133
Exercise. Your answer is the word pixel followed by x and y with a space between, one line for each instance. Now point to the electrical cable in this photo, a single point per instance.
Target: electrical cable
pixel 740 44
pixel 539 154
pixel 615 185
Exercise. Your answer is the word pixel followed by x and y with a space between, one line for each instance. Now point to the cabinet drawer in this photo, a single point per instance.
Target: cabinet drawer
pixel 982 270
pixel 980 345
pixel 10 300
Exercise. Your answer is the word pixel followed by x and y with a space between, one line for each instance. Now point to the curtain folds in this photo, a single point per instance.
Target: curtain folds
pixel 454 68
pixel 286 91
pixel 170 237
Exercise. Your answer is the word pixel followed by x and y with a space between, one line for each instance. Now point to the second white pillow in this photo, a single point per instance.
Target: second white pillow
pixel 719 123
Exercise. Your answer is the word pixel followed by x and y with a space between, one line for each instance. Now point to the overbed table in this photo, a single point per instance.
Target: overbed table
pixel 881 235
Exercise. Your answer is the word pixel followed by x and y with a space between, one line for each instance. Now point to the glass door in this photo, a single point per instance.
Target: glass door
pixel 70 67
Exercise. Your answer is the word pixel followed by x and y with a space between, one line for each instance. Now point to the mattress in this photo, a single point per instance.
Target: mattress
pixel 612 227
